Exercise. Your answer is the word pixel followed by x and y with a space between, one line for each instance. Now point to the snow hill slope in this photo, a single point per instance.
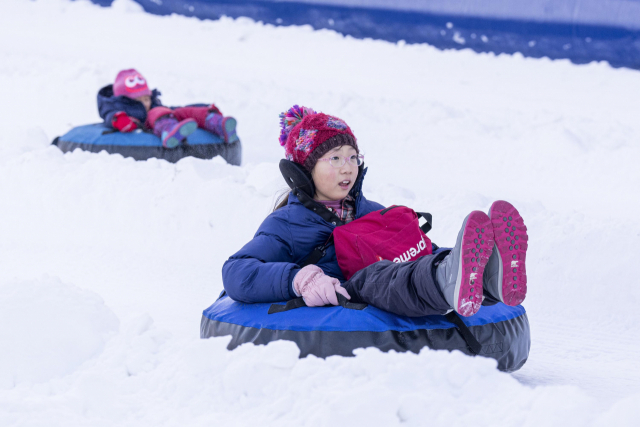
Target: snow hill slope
pixel 106 263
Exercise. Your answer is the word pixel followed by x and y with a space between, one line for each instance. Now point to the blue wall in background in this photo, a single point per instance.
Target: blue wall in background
pixel 579 30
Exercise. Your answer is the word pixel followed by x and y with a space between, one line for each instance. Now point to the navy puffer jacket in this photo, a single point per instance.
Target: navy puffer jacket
pixel 108 105
pixel 263 270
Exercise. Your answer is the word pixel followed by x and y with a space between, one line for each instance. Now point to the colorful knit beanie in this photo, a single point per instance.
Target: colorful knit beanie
pixel 307 136
pixel 131 84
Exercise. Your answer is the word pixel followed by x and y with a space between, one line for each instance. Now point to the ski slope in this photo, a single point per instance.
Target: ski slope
pixel 106 263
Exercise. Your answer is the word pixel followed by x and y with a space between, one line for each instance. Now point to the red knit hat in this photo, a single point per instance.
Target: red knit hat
pixel 131 84
pixel 307 135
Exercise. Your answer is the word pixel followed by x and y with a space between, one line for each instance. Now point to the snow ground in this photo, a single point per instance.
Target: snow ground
pixel 106 264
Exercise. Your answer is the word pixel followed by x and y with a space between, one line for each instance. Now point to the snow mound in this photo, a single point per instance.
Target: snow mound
pixel 126 6
pixel 48 329
pixel 375 388
pixel 146 377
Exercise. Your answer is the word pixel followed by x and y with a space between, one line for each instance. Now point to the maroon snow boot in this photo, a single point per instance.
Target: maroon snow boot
pixel 222 126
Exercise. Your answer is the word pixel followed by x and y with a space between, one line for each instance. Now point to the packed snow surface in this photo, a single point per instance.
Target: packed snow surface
pixel 106 263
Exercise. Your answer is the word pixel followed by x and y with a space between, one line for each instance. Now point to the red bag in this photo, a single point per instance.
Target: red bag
pixel 393 233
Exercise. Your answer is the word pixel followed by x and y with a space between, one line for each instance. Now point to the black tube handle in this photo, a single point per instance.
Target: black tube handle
pixel 299 302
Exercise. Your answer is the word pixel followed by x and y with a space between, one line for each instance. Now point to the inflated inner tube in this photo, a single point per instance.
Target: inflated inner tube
pixel 144 145
pixel 502 331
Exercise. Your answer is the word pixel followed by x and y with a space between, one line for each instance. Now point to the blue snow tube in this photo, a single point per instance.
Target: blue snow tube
pixel 502 331
pixel 143 145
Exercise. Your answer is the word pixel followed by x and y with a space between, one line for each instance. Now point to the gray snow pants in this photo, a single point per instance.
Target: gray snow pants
pixel 407 289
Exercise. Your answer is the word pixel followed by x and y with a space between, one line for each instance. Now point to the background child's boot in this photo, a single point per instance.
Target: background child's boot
pixel 459 275
pixel 222 126
pixel 172 132
pixel 506 275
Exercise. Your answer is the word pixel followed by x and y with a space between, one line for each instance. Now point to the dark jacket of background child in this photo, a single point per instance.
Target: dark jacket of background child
pixel 108 105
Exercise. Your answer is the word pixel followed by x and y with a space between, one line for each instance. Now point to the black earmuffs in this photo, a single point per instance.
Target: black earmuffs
pixel 297 177
pixel 301 184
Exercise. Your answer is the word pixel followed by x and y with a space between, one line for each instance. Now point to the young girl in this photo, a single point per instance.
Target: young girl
pixel 128 104
pixel 487 262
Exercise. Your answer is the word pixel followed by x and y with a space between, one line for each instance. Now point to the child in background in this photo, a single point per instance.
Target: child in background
pixel 128 105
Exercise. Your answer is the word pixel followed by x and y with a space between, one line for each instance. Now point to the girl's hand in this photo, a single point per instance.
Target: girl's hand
pixel 124 123
pixel 316 288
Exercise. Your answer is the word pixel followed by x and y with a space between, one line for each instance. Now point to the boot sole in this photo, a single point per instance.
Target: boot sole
pixel 184 128
pixel 512 243
pixel 229 126
pixel 476 248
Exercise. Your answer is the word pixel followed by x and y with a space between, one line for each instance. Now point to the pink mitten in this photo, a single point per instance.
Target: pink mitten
pixel 316 288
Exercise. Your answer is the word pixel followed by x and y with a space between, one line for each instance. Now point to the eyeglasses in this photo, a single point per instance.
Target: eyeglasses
pixel 339 161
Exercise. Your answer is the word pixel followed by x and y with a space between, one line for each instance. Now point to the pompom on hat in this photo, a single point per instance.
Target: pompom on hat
pixel 131 84
pixel 307 135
